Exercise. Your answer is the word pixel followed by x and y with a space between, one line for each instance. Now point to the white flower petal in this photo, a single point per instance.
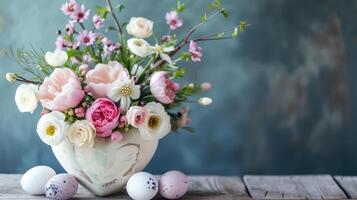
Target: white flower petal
pixel 57 58
pixel 165 57
pixel 135 92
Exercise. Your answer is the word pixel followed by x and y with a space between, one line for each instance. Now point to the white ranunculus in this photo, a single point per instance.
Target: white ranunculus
pixel 205 101
pixel 157 125
pixel 124 90
pixel 140 27
pixel 140 47
pixel 26 97
pixel 57 58
pixel 52 128
pixel 82 133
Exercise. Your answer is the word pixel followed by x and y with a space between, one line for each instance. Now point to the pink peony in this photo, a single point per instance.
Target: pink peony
pixel 100 79
pixel 136 115
pixel 162 88
pixel 61 90
pixel 173 20
pixel 104 115
pixel 195 51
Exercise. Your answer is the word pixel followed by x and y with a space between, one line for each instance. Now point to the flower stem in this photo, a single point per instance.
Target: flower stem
pixel 24 80
pixel 116 21
pixel 186 39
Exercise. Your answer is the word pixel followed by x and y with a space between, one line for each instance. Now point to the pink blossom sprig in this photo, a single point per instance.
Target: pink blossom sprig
pixel 173 20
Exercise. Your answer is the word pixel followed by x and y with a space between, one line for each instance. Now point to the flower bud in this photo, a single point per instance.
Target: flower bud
pixel 205 101
pixel 11 77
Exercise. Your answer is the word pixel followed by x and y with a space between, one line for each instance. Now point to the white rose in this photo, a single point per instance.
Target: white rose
pixel 82 133
pixel 57 58
pixel 157 124
pixel 52 128
pixel 26 97
pixel 140 47
pixel 140 27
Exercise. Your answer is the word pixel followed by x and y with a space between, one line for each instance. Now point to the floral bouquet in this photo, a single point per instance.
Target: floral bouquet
pixel 97 92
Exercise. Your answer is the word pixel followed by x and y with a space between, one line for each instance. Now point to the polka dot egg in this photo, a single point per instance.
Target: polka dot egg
pixel 61 187
pixel 142 186
pixel 173 185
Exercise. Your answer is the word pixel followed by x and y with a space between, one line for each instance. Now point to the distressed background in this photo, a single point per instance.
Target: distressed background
pixel 283 92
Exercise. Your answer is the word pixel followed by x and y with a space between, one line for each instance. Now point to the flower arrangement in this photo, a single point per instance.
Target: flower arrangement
pixel 92 86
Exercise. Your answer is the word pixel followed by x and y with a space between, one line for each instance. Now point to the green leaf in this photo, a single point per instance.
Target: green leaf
pixel 102 12
pixel 215 5
pixel 179 73
pixel 74 53
pixel 186 56
pixel 180 7
pixel 120 7
pixel 235 32
pixel 204 18
pixel 242 26
pixel 220 35
pixel 110 28
pixel 224 12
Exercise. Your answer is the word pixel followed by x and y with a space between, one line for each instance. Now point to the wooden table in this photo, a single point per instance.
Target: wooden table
pixel 229 187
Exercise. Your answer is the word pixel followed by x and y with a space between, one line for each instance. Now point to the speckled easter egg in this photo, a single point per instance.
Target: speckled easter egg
pixel 173 185
pixel 142 186
pixel 61 187
pixel 35 179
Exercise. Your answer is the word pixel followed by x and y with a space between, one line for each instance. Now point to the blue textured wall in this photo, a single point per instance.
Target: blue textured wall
pixel 283 93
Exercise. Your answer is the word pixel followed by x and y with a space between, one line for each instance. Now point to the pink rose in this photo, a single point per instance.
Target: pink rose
pixel 61 90
pixel 136 115
pixel 100 79
pixel 116 136
pixel 104 115
pixel 80 112
pixel 162 88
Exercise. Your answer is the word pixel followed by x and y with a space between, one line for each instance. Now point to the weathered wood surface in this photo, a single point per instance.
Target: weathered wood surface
pixel 293 187
pixel 349 185
pixel 232 187
pixel 200 187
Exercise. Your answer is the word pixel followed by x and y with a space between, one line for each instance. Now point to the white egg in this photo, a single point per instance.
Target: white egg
pixel 35 179
pixel 142 186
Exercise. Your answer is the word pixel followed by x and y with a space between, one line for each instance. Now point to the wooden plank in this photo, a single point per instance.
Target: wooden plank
pixel 293 187
pixel 200 187
pixel 348 184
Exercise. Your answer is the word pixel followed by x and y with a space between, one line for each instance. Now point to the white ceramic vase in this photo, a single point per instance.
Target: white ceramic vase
pixel 105 168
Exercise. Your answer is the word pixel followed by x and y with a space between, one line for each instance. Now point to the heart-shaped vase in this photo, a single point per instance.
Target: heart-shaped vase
pixel 105 168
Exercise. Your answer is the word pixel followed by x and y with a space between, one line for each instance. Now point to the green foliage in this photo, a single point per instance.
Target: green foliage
pixel 215 5
pixel 120 7
pixel 31 61
pixel 179 73
pixel 180 7
pixel 102 12
pixel 185 56
pixel 204 18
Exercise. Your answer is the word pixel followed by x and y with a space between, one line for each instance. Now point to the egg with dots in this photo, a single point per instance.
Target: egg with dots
pixel 142 186
pixel 173 184
pixel 61 187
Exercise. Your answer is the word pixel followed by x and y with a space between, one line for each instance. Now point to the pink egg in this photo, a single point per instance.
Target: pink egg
pixel 61 187
pixel 173 185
